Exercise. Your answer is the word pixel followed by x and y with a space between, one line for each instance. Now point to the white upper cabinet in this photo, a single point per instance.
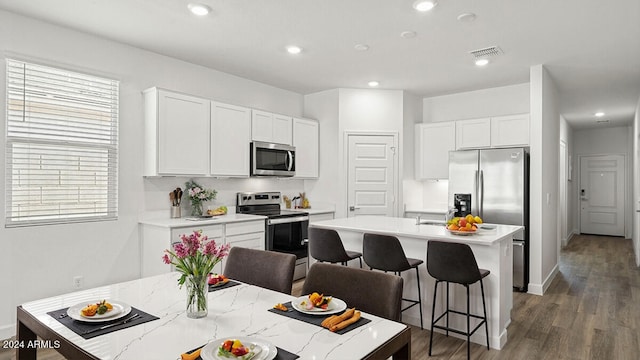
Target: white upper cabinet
pixel 433 143
pixel 230 139
pixel 306 142
pixel 510 130
pixel 176 133
pixel 282 129
pixel 269 127
pixel 473 134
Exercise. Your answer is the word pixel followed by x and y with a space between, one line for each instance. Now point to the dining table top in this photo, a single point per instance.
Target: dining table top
pixel 238 311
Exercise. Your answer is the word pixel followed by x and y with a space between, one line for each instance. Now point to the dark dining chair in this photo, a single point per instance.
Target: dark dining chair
pixel 325 245
pixel 384 252
pixel 374 292
pixel 267 269
pixel 452 262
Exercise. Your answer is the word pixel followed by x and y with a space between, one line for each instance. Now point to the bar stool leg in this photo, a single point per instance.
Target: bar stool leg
pixel 447 331
pixel 468 326
pixel 360 258
pixel 433 312
pixel 484 307
pixel 419 297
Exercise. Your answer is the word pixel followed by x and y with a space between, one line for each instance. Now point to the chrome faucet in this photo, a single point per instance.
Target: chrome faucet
pixel 418 219
pixel 450 214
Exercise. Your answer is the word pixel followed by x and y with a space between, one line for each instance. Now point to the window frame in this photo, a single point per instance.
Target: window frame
pixel 75 121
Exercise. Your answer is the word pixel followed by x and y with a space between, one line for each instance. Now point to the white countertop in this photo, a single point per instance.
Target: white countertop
pixel 406 227
pixel 165 221
pixel 236 311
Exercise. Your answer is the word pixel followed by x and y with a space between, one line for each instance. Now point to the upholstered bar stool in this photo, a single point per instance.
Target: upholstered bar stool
pixel 325 245
pixel 384 252
pixel 451 262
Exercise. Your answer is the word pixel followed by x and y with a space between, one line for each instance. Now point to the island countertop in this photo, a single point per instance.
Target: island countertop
pixel 406 227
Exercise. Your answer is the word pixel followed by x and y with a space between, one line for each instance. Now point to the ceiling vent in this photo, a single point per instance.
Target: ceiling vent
pixel 486 52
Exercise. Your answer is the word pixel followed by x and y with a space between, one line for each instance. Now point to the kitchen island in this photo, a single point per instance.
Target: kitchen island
pixel 492 249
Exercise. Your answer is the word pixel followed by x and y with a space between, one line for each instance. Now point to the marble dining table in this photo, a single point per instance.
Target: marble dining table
pixel 238 311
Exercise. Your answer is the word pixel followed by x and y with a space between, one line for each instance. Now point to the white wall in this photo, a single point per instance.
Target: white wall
pixel 411 190
pixel 544 144
pixel 636 183
pixel 504 100
pixel 566 135
pixel 41 261
pixel 323 106
pixel 612 140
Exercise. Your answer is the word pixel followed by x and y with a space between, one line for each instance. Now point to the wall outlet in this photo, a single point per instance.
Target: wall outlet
pixel 78 282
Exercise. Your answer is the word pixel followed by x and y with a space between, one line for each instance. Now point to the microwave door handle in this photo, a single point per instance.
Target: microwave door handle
pixel 290 158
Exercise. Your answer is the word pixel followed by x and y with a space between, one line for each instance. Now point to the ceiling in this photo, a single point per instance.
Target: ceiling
pixel 591 48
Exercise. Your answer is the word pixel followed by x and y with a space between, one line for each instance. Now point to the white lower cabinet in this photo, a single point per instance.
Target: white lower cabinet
pixel 156 239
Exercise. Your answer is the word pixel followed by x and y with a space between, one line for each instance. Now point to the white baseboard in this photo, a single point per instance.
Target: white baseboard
pixel 539 289
pixel 535 289
pixel 566 241
pixel 8 331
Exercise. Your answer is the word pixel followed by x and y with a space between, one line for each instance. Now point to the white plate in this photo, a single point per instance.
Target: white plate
pixel 486 227
pixel 120 309
pixel 463 233
pixel 264 350
pixel 335 306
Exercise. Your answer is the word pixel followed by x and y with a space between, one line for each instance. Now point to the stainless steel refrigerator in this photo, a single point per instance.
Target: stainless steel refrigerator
pixel 498 181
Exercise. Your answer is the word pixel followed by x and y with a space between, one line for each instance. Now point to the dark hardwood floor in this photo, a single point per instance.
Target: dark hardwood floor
pixel 590 311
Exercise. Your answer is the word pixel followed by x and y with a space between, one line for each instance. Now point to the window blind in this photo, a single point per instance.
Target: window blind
pixel 62 146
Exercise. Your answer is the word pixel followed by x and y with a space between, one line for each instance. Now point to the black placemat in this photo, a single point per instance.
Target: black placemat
pixel 315 319
pixel 80 327
pixel 228 284
pixel 281 355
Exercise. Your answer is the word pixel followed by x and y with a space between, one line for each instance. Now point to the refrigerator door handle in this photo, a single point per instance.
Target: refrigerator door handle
pixel 480 205
pixel 476 193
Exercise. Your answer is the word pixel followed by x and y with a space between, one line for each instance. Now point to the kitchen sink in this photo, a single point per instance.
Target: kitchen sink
pixel 432 222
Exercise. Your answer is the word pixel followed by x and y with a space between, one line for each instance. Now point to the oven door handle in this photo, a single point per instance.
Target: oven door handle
pixel 287 220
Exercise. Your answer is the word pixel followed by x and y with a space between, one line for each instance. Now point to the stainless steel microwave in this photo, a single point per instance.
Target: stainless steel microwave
pixel 269 159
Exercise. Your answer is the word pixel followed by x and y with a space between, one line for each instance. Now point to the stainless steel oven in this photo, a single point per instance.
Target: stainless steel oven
pixel 269 159
pixel 286 231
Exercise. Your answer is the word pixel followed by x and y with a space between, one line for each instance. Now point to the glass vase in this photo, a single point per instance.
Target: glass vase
pixel 196 209
pixel 197 292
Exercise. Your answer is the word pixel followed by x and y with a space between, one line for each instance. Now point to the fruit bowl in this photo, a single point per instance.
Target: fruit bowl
pixel 464 225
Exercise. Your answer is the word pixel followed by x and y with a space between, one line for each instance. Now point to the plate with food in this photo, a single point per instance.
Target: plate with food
pixel 99 311
pixel 221 210
pixel 240 348
pixel 318 304
pixel 217 280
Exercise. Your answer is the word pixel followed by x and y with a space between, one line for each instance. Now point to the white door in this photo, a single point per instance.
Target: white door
pixel 371 175
pixel 602 195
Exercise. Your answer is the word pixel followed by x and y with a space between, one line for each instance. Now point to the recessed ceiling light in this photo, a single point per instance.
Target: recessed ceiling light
pixel 199 9
pixel 482 62
pixel 466 17
pixel 424 5
pixel 599 114
pixel 408 34
pixel 373 83
pixel 361 47
pixel 292 49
